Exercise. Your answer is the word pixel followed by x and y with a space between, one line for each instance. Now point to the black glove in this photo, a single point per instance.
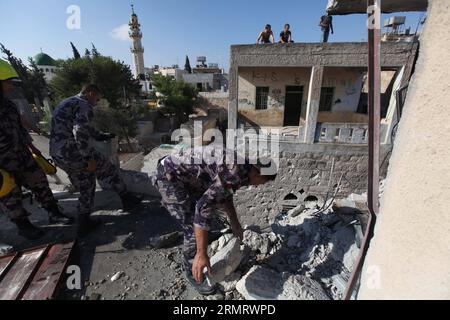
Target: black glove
pixel 106 137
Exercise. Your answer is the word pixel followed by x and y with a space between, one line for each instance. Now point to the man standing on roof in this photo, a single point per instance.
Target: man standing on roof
pixel 326 24
pixel 286 35
pixel 192 187
pixel 266 36
pixel 17 160
pixel 71 148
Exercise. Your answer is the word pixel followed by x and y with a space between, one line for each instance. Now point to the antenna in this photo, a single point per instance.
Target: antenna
pixel 132 8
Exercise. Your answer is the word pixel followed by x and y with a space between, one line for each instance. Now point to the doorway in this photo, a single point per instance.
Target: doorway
pixel 293 106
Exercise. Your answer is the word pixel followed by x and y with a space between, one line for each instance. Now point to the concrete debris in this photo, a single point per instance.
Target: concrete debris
pixel 225 262
pixel 296 211
pixel 311 247
pixel 5 249
pixel 261 283
pixel 257 242
pixel 117 276
pixel 166 240
pixel 230 282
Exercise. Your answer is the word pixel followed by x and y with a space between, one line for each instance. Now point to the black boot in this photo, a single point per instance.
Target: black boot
pixel 129 201
pixel 86 225
pixel 55 216
pixel 28 230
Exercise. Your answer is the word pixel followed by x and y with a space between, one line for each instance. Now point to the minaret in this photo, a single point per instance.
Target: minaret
pixel 137 49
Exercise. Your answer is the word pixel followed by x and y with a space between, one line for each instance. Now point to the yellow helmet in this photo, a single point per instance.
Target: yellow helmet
pixel 7 183
pixel 45 164
pixel 7 72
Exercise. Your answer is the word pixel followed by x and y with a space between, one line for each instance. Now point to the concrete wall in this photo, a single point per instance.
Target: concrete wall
pixel 214 100
pixel 409 257
pixel 206 79
pixel 347 82
pixel 276 79
pixel 307 55
pixel 305 170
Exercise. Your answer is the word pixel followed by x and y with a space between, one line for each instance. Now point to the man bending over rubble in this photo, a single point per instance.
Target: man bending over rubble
pixel 191 188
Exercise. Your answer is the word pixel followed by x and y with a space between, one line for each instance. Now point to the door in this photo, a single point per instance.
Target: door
pixel 293 106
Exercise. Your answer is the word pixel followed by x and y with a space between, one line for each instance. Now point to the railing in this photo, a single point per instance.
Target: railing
pixel 345 133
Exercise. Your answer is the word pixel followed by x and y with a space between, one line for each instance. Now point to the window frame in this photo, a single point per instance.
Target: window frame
pixel 326 99
pixel 262 98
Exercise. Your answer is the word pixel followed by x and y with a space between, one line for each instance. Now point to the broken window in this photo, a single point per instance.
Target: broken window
pixel 262 97
pixel 326 98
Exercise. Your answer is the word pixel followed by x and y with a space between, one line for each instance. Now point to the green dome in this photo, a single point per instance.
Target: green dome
pixel 43 59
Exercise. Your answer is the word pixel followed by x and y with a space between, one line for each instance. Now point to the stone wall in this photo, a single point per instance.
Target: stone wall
pixel 305 171
pixel 409 256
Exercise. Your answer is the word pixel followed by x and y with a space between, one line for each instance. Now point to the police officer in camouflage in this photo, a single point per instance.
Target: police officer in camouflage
pixel 192 187
pixel 71 148
pixel 16 159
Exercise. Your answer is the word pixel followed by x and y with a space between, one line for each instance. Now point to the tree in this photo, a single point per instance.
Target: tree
pixel 76 54
pixel 33 81
pixel 178 97
pixel 113 77
pixel 87 53
pixel 187 65
pixel 95 52
pixel 116 81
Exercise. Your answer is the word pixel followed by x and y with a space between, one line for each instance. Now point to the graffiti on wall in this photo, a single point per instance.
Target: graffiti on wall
pixel 264 76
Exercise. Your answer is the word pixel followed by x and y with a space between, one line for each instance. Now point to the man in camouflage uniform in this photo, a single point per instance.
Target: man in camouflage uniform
pixel 191 188
pixel 16 158
pixel 72 150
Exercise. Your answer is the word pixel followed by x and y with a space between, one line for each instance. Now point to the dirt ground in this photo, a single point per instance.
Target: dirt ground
pixel 121 244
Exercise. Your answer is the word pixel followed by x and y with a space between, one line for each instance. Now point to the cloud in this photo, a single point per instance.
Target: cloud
pixel 120 33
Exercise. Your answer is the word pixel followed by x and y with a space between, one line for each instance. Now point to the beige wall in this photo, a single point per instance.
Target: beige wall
pixel 347 82
pixel 409 257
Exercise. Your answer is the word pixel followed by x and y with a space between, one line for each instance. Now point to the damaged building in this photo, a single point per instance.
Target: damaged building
pixel 314 97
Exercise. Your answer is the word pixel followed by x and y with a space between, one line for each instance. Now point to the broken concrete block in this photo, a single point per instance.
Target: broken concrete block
pixel 139 183
pixel 256 242
pixel 350 257
pixel 293 241
pixel 117 276
pixel 296 211
pixel 166 240
pixel 225 262
pixel 230 282
pixel 5 249
pixel 264 284
pixel 223 241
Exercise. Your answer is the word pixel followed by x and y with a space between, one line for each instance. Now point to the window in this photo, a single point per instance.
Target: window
pixel 326 99
pixel 262 96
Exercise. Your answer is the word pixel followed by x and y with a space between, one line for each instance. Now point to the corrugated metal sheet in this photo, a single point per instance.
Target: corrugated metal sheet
pixel 33 274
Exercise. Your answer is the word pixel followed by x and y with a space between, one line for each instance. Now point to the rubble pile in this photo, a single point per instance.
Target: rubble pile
pixel 308 254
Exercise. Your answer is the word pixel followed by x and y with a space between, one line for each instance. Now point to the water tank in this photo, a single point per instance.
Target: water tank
pixel 201 59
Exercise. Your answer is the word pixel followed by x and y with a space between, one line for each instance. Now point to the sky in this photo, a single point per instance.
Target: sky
pixel 172 29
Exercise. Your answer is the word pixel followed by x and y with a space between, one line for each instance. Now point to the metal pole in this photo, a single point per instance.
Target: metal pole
pixel 374 78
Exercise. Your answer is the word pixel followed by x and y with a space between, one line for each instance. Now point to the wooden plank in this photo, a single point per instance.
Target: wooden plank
pixel 17 276
pixel 4 265
pixel 47 277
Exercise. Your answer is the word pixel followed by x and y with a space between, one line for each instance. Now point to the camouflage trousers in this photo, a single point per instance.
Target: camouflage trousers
pixel 181 206
pixel 28 174
pixel 85 181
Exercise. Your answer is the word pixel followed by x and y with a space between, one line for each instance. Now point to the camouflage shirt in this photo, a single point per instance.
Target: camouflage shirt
pixel 210 183
pixel 14 138
pixel 72 133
